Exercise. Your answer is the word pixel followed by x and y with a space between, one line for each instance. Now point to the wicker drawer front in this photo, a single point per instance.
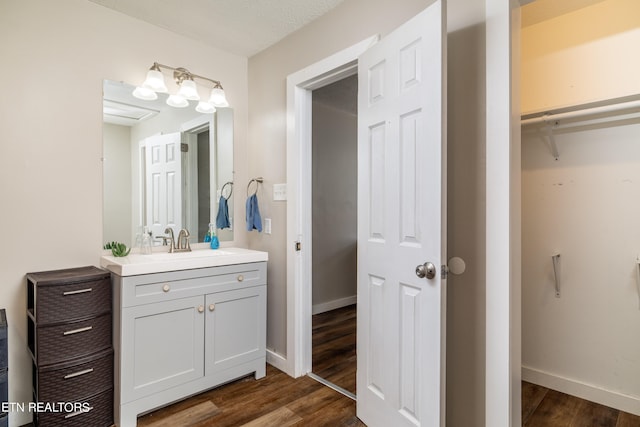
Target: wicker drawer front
pixel 77 382
pixel 100 414
pixel 59 343
pixel 56 303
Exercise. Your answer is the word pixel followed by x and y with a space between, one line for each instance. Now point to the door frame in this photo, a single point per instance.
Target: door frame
pixel 300 86
pixel 503 334
pixel 503 309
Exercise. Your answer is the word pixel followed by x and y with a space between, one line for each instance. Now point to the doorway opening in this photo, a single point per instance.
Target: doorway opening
pixel 334 233
pixel 300 87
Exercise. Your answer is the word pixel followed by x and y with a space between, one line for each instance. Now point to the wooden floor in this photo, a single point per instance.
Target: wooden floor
pixel 279 400
pixel 275 400
pixel 334 347
pixel 542 407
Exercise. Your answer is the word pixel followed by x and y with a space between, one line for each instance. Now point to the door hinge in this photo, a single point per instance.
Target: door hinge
pixel 184 147
pixel 298 246
pixel 444 272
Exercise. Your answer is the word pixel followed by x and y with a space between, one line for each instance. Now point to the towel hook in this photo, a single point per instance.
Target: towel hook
pixel 257 181
pixel 229 183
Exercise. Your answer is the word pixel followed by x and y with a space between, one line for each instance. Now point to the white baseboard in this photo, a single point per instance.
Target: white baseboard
pixel 582 390
pixel 278 361
pixel 332 305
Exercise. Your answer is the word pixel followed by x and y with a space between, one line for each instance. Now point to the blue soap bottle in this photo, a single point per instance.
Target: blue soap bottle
pixel 214 243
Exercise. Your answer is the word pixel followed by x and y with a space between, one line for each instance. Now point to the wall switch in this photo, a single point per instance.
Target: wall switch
pixel 279 191
pixel 267 226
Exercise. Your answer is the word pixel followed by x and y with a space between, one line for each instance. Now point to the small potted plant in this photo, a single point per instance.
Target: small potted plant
pixel 117 249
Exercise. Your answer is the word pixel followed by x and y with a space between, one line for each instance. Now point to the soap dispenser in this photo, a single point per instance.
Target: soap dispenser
pixel 214 243
pixel 145 245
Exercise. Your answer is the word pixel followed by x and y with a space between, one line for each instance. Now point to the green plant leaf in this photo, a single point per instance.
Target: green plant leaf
pixel 119 249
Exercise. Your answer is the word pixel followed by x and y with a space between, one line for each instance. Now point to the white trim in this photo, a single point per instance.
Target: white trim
pixel 197 124
pixel 503 255
pixel 593 393
pixel 334 304
pixel 299 89
pixel 276 360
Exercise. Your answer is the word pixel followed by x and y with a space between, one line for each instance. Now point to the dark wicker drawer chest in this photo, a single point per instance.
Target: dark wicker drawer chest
pixel 70 341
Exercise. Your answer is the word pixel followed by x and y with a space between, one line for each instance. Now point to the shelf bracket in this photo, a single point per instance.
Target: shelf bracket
pixel 550 140
pixel 556 272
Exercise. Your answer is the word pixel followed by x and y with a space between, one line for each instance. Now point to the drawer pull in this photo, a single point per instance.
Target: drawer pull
pixel 83 411
pixel 201 309
pixel 77 374
pixel 166 288
pixel 212 307
pixel 77 331
pixel 240 277
pixel 79 291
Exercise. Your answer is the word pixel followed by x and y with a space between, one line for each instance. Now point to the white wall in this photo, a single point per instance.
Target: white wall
pixel 349 23
pixel 585 206
pixel 583 56
pixel 466 226
pixel 55 56
pixel 334 186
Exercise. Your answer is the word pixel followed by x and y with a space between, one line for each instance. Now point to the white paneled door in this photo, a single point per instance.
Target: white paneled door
pixel 402 225
pixel 163 183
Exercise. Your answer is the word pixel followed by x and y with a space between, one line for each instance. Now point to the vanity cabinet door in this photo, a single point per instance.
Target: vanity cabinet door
pixel 235 328
pixel 162 346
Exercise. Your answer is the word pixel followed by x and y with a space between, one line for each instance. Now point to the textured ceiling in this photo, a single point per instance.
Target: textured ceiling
pixel 244 27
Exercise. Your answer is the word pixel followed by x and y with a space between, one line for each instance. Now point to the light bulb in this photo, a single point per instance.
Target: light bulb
pixel 218 98
pixel 177 101
pixel 188 90
pixel 155 81
pixel 145 93
pixel 205 108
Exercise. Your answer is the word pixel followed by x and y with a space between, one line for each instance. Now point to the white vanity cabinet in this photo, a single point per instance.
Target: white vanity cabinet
pixel 178 333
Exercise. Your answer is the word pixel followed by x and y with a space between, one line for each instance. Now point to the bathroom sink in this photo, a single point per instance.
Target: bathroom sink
pixel 159 262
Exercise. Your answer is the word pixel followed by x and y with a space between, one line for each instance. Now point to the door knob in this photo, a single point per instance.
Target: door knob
pixel 427 270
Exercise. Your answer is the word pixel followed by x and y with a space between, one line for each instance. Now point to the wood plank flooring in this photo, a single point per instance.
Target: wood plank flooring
pixel 275 400
pixel 334 347
pixel 279 400
pixel 542 407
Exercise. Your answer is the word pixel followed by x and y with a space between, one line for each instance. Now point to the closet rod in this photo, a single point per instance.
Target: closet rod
pixel 611 109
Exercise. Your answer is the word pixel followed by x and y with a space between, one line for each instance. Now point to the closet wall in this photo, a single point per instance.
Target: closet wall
pixel 584 206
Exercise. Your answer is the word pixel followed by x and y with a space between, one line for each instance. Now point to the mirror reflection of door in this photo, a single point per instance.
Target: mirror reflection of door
pixel 163 171
pixel 207 164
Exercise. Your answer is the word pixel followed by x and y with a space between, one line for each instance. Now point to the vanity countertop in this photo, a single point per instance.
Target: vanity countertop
pixel 159 262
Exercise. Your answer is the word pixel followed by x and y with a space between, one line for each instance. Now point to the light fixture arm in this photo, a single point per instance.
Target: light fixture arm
pixel 180 74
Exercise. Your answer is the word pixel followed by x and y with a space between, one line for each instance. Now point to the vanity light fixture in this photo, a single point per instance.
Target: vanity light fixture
pixel 154 84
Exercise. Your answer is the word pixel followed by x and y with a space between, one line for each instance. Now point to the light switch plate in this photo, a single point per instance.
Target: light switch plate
pixel 267 226
pixel 279 191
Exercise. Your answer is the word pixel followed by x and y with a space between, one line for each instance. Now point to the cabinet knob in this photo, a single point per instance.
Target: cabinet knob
pixel 200 309
pixel 166 287
pixel 212 307
pixel 240 277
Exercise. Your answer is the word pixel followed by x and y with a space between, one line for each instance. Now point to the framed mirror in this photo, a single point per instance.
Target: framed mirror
pixel 163 167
